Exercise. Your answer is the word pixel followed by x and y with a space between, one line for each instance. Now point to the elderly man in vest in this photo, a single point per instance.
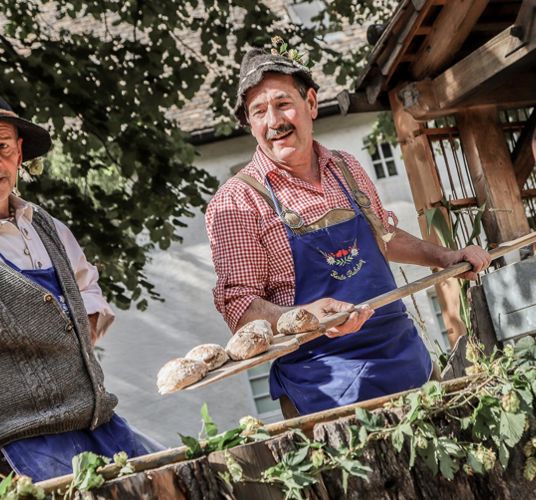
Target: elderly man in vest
pixel 303 225
pixel 53 403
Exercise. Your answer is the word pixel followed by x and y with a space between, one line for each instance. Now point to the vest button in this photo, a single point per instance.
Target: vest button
pixel 48 297
pixel 69 327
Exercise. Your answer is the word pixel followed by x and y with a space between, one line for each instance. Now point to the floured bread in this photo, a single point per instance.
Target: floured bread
pixel 213 355
pixel 179 373
pixel 252 339
pixel 258 326
pixel 297 321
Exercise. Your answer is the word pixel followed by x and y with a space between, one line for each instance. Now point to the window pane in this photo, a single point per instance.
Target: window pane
pixel 260 386
pixel 263 369
pixel 380 172
pixel 266 404
pixel 376 155
pixel 386 150
pixel 391 167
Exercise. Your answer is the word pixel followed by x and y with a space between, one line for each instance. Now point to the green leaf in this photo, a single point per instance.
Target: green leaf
pixel 194 447
pixel 397 437
pixel 5 484
pixel 209 427
pixel 511 427
pixel 295 458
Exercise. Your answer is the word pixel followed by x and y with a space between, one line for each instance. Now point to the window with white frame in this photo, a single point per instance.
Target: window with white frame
pixel 436 308
pixel 259 380
pixel 383 161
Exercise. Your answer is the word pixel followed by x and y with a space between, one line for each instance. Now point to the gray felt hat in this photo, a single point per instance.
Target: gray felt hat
pixel 36 140
pixel 255 63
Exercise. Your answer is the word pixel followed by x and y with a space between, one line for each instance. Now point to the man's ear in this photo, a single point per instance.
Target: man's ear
pixel 312 101
pixel 19 150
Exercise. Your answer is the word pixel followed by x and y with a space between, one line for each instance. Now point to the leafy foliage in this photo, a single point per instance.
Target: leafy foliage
pixel 110 80
pixel 250 429
pixel 86 474
pixel 15 487
pixel 495 408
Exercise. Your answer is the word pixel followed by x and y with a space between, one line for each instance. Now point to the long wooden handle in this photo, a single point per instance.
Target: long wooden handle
pixel 289 343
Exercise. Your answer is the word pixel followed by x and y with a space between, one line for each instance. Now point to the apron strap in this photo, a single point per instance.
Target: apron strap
pixel 290 218
pixel 381 234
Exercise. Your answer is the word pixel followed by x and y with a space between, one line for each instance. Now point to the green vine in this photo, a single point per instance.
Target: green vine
pixel 480 424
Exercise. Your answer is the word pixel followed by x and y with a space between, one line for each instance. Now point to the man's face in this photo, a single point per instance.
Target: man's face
pixel 281 119
pixel 10 158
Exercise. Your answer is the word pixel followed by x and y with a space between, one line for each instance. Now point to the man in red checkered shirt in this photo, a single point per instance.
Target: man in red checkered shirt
pixel 303 225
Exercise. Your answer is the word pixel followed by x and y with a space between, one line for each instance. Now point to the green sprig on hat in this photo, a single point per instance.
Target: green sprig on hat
pixel 281 48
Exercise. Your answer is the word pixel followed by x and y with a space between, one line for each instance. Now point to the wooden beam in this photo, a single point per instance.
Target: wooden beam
pixel 449 31
pixel 522 156
pixel 485 63
pixel 423 99
pixel 427 193
pixel 492 173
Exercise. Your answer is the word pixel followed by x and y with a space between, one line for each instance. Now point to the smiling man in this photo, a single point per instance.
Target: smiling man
pixel 303 225
pixel 53 403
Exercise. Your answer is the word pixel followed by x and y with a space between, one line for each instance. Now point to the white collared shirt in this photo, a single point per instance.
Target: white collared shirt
pixel 21 245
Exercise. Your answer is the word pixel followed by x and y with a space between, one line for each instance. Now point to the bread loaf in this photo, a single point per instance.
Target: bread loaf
pixel 179 373
pixel 252 339
pixel 213 355
pixel 297 321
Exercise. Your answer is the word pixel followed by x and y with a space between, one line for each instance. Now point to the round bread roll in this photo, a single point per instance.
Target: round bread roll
pixel 297 321
pixel 213 355
pixel 179 373
pixel 252 339
pixel 258 326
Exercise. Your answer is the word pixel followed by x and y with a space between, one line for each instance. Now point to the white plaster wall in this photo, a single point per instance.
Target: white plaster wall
pixel 139 343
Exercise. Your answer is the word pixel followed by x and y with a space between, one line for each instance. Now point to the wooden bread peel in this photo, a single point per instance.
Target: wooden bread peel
pixel 284 344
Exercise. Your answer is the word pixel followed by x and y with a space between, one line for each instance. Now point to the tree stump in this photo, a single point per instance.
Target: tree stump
pixel 391 478
pixel 191 480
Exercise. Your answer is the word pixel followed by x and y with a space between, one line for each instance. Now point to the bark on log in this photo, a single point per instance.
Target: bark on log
pixel 191 480
pixel 392 479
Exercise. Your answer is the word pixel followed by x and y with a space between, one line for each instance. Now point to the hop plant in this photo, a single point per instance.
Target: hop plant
pixel 508 351
pixel 528 449
pixel 420 441
pixel 468 470
pixel 529 472
pixel 472 352
pixel 249 425
pixel 486 457
pixel 510 402
pixel 318 458
pixel 26 488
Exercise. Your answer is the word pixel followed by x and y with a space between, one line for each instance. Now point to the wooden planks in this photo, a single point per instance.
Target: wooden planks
pixel 450 30
pixel 480 66
pixel 492 173
pixel 427 193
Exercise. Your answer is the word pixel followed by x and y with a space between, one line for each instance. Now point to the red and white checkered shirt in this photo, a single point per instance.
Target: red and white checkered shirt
pixel 249 244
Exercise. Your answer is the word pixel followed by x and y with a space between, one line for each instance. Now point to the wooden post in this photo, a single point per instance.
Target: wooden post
pixel 493 175
pixel 426 189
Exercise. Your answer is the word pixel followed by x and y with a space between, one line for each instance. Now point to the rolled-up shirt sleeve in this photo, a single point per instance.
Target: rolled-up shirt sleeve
pixel 240 259
pixel 87 277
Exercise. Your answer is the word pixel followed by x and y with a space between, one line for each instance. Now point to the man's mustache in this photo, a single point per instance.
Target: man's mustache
pixel 276 132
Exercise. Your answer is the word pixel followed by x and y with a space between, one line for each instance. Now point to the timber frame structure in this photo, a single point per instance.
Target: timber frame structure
pixel 464 70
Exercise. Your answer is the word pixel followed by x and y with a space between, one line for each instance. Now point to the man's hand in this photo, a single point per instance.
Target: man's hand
pixel 93 318
pixel 326 307
pixel 475 255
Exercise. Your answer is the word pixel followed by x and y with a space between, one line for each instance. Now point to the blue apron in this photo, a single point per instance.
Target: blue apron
pixel 50 455
pixel 385 356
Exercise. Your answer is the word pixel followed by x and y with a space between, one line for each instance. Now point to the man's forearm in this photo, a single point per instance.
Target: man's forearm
pixel 262 309
pixel 408 249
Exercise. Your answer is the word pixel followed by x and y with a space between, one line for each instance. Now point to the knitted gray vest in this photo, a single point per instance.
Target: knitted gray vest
pixel 50 379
